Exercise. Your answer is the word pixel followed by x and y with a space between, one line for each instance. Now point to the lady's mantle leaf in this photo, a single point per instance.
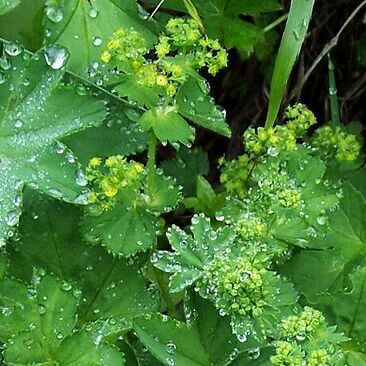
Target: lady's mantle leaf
pixel 7 5
pixel 167 125
pixel 84 27
pixel 34 115
pixel 38 324
pixel 50 239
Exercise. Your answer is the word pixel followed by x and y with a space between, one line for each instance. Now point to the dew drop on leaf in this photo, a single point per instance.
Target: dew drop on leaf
pixel 54 13
pixel 56 56
pixel 93 13
pixel 97 41
pixel 12 218
pixel 12 49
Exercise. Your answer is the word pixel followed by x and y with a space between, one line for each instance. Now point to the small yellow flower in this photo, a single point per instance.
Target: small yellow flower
pixel 95 161
pixel 171 89
pixel 113 44
pixel 92 197
pixel 161 80
pixel 120 32
pixel 105 57
pixel 108 188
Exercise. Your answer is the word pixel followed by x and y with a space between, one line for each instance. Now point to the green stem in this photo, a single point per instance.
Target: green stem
pixel 164 290
pixel 275 23
pixel 151 164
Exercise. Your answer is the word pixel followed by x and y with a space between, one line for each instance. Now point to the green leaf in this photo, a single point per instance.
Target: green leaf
pixel 27 30
pixel 123 230
pixel 253 7
pixel 206 340
pixel 170 341
pixel 50 239
pixel 186 166
pixel 86 26
pixel 7 5
pixel 167 125
pixel 191 253
pixel 341 249
pixel 346 309
pixel 120 136
pixel 222 19
pixel 195 104
pixel 33 120
pixel 292 40
pixel 207 201
pixel 40 322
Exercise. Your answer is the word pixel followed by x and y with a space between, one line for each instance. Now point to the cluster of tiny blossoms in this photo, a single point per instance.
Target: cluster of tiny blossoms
pixel 111 177
pixel 280 138
pixel 234 175
pixel 180 49
pixel 298 341
pixel 335 141
pixel 235 285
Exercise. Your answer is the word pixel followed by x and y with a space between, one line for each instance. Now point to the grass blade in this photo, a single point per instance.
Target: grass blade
pixel 292 40
pixel 334 106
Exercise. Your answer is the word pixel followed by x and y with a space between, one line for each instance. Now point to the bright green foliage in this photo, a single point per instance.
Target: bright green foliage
pixel 38 323
pixel 186 167
pixel 241 288
pixel 83 27
pixel 124 211
pixel 7 5
pixel 206 339
pixel 121 250
pixel 158 84
pixel 292 39
pixel 30 148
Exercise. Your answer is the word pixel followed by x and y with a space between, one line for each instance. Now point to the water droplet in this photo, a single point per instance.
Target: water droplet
pixel 12 49
pixel 18 123
pixel 321 220
pixel 97 41
pixel 12 218
pixel 54 13
pixel 171 347
pixel 93 13
pixel 56 56
pixel 81 178
pixel 41 309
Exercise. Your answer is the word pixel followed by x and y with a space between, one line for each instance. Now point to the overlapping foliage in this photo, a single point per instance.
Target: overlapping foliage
pixel 110 256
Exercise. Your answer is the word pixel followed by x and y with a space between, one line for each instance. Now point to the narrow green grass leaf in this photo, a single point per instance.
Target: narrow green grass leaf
pixel 292 40
pixel 333 98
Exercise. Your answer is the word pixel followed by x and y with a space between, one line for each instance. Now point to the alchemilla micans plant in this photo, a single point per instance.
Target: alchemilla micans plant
pixel 112 255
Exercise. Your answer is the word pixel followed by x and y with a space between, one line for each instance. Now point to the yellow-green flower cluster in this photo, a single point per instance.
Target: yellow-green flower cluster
pixel 303 325
pixel 287 354
pixel 319 357
pixel 183 38
pixel 184 35
pixel 111 177
pixel 235 285
pixel 289 198
pixel 125 46
pixel 235 174
pixel 299 119
pixel 280 138
pixel 250 228
pixel 302 341
pixel 335 141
